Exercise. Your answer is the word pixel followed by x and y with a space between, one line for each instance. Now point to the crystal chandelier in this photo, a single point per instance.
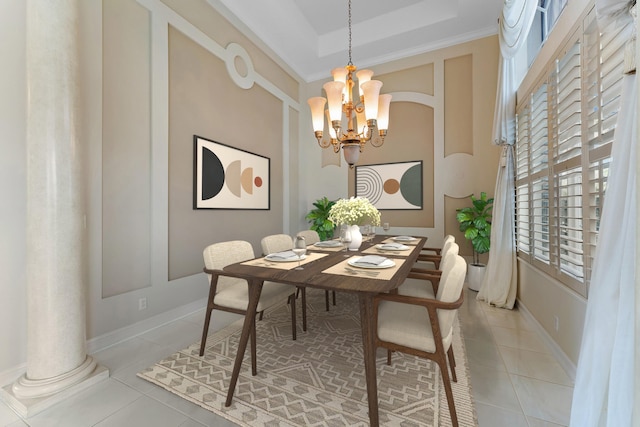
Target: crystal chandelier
pixel 367 118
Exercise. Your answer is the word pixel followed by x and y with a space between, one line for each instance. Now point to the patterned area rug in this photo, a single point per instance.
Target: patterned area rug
pixel 318 379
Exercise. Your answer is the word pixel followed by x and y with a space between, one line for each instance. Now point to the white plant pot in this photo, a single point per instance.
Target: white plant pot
pixel 475 275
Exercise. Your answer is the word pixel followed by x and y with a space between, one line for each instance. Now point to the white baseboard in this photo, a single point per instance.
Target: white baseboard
pixel 119 335
pixel 557 352
pixel 115 337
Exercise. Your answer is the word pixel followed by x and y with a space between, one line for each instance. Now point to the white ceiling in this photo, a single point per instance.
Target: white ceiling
pixel 311 36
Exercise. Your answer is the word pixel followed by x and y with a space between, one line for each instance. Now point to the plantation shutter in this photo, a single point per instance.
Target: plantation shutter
pixel 564 131
pixel 539 158
pixel 523 228
pixel 604 64
pixel 565 122
pixel 540 218
pixel 539 132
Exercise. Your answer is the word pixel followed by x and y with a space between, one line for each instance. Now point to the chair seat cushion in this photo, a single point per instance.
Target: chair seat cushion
pixel 408 325
pixel 417 288
pixel 237 296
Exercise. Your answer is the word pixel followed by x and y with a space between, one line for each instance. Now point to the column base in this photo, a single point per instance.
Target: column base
pixel 27 407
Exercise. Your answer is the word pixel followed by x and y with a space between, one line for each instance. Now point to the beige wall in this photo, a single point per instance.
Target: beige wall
pixel 442 114
pixel 204 101
pixel 411 138
pixel 547 299
pixel 138 170
pixel 13 186
pixel 161 73
pixel 126 148
pixel 204 18
pixel 151 76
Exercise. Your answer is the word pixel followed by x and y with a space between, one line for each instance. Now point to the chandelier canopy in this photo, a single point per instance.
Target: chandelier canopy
pixel 367 118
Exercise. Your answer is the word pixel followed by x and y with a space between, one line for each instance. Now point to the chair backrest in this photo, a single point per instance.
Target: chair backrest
pixel 449 254
pixel 448 238
pixel 219 255
pixel 310 236
pixel 276 243
pixel 451 284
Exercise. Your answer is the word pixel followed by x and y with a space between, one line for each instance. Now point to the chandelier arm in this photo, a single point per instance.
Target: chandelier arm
pixel 376 140
pixel 323 143
pixel 336 146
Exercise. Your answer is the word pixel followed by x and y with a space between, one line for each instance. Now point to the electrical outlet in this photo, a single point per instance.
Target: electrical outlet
pixel 142 304
pixel 556 323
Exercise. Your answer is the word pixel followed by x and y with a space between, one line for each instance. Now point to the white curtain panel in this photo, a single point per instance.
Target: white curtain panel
pixel 500 280
pixel 515 22
pixel 604 389
pixel 605 379
pixel 499 285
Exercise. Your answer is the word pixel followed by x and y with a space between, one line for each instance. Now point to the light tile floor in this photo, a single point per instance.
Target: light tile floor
pixel 515 379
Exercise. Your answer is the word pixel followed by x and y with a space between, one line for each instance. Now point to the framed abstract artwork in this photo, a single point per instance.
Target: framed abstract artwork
pixel 391 185
pixel 225 177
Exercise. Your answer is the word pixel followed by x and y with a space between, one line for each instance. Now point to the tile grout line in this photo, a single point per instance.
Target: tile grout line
pixel 495 343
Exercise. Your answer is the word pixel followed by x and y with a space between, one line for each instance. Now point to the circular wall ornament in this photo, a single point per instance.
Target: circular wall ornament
pixel 457 177
pixel 234 50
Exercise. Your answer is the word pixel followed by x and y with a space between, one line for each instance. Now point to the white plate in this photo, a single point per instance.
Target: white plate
pixel 329 244
pixel 388 247
pixel 292 259
pixel 404 239
pixel 388 263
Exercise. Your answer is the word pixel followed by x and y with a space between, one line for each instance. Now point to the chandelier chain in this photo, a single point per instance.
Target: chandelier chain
pixel 350 63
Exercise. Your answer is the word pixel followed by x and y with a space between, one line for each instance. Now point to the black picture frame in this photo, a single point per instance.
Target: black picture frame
pixel 225 177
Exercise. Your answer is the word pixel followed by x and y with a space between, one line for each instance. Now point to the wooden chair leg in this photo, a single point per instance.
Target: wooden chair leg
pixel 389 357
pixel 448 391
pixel 205 330
pixel 254 363
pixel 293 316
pixel 334 297
pixel 303 291
pixel 452 364
pixel 326 299
pixel 261 314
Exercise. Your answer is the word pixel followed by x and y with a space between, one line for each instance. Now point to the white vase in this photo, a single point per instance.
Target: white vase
pixel 356 237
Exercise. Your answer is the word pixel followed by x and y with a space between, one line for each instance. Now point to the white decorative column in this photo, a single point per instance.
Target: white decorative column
pixel 57 363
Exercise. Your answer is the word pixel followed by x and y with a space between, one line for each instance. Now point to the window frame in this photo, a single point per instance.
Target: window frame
pixel 571 173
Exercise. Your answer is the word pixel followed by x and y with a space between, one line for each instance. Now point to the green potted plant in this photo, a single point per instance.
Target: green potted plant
pixel 475 223
pixel 318 218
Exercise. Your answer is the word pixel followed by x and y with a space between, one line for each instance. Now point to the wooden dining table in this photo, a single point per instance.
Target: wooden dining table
pixel 328 269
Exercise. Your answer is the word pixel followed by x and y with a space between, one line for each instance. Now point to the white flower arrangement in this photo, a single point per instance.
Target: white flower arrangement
pixel 354 211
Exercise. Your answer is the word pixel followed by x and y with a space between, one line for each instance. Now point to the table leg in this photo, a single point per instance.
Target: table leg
pixel 255 287
pixel 366 311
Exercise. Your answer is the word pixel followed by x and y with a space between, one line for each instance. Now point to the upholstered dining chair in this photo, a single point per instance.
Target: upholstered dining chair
pixel 435 257
pixel 278 243
pixel 424 283
pixel 311 237
pixel 424 327
pixel 231 294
